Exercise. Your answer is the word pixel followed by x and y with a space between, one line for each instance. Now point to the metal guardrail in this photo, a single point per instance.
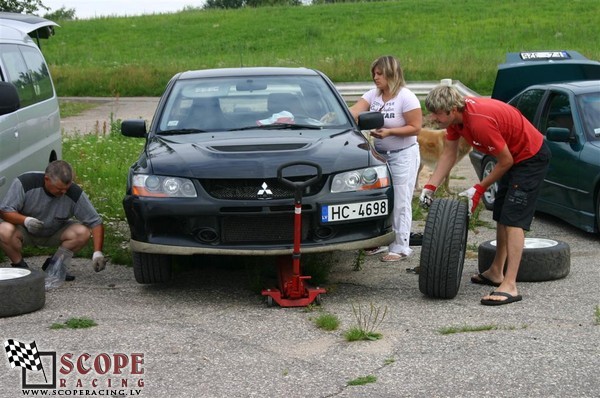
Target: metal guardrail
pixel 353 91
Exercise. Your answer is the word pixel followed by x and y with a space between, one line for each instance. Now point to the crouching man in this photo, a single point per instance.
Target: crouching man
pixel 49 210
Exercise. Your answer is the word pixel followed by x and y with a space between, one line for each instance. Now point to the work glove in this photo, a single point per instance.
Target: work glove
pixel 98 261
pixel 33 225
pixel 426 197
pixel 473 194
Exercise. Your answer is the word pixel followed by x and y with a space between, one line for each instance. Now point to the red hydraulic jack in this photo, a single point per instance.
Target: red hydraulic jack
pixel 293 291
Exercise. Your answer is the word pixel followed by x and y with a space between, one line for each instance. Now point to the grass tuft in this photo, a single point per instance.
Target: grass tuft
pixel 75 323
pixel 361 381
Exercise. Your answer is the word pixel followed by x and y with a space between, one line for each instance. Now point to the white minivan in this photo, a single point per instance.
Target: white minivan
pixel 30 134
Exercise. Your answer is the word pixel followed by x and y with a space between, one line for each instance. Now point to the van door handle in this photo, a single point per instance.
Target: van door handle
pixel 2 181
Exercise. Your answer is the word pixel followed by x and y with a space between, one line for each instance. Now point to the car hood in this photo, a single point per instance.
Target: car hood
pixel 255 154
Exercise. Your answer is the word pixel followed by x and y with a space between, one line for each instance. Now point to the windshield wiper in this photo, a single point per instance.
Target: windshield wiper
pixel 280 126
pixel 181 131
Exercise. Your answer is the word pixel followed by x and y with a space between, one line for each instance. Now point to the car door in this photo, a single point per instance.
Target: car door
pixel 564 186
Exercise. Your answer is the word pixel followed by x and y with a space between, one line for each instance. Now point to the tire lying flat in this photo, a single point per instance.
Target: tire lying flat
pixel 21 291
pixel 443 248
pixel 542 260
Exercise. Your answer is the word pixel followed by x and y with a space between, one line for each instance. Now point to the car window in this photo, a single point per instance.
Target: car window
pixel 589 106
pixel 528 102
pixel 25 68
pixel 558 113
pixel 235 103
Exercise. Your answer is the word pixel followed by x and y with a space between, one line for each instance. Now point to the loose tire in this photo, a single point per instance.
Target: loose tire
pixel 542 260
pixel 21 291
pixel 443 248
pixel 151 268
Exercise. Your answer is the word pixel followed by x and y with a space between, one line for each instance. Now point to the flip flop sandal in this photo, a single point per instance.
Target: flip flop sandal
pixel 391 257
pixel 375 250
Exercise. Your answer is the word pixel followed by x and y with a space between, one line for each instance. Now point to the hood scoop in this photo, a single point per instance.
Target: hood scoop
pixel 259 147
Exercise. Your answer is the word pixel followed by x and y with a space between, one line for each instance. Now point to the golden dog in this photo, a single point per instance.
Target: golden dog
pixel 431 146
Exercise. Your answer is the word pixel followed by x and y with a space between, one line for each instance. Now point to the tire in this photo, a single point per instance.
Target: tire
pixel 542 260
pixel 151 268
pixel 443 248
pixel 22 290
pixel 490 194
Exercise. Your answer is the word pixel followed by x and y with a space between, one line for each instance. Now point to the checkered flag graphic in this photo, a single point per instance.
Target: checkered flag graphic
pixel 23 355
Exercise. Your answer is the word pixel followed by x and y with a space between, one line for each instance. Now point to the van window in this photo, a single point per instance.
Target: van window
pixel 25 68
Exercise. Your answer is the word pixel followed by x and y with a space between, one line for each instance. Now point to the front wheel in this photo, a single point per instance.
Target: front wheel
pixel 490 194
pixel 151 268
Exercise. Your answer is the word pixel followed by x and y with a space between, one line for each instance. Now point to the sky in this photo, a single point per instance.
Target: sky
pixel 96 8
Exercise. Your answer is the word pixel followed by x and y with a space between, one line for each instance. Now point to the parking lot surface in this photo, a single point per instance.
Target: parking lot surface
pixel 210 334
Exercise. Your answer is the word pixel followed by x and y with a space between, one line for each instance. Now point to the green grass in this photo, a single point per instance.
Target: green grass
pixel 466 329
pixel 434 39
pixel 75 323
pixel 597 314
pixel 361 381
pixel 74 108
pixel 327 322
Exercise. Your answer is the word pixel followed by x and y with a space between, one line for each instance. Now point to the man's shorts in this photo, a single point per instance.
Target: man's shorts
pixel 518 190
pixel 44 241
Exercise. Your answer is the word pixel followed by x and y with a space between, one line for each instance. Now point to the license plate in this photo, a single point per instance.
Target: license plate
pixel 353 211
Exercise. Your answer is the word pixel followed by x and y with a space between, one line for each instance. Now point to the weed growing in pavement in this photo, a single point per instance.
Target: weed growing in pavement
pixel 327 322
pixel 597 314
pixel 74 108
pixel 481 328
pixel 361 381
pixel 466 329
pixel 359 260
pixel 74 323
pixel 367 323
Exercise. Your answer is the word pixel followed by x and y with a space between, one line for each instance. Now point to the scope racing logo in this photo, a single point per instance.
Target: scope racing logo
pixel 82 374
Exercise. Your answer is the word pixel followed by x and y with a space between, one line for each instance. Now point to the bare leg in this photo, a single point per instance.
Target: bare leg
pixel 515 241
pixel 75 237
pixel 11 242
pixel 496 271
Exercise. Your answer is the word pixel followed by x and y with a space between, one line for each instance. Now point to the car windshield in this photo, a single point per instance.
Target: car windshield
pixel 245 103
pixel 589 104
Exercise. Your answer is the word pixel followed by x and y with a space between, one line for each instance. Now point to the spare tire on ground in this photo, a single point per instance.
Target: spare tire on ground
pixel 22 290
pixel 542 260
pixel 443 248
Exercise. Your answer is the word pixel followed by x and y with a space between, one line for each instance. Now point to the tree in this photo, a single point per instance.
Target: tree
pixel 22 6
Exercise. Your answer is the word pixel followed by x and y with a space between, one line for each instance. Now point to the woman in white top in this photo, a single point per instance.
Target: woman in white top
pixel 397 142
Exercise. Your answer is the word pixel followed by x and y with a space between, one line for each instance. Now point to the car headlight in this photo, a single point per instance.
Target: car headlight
pixel 162 187
pixel 361 180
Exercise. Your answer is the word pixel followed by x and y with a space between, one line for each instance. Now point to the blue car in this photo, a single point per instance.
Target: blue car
pixel 565 108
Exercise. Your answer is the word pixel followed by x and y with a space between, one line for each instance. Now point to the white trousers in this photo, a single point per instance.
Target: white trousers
pixel 404 166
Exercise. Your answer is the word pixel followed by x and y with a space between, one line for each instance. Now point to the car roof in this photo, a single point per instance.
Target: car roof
pixel 32 25
pixel 249 71
pixel 577 87
pixel 527 68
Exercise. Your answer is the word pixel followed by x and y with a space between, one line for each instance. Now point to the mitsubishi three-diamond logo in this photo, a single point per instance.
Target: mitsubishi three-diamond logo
pixel 264 192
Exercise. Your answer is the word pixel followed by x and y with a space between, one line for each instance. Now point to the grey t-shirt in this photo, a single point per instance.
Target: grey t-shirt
pixel 28 197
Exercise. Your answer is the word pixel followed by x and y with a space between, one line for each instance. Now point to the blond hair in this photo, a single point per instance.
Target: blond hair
pixel 391 69
pixel 444 98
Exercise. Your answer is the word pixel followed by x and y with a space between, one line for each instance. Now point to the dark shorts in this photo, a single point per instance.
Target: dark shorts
pixel 518 190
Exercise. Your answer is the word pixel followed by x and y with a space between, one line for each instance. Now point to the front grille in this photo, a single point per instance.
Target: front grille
pixel 268 229
pixel 248 189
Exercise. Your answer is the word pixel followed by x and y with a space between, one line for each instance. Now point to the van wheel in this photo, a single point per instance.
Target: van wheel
pixel 22 290
pixel 443 248
pixel 151 268
pixel 542 260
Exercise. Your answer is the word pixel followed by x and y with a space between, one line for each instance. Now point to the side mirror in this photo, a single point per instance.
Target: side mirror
pixel 370 120
pixel 9 98
pixel 559 134
pixel 133 128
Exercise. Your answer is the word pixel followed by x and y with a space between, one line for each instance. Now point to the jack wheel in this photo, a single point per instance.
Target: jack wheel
pixel 270 302
pixel 318 300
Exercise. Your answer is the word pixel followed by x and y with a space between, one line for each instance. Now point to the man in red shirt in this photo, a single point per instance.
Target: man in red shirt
pixel 495 128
